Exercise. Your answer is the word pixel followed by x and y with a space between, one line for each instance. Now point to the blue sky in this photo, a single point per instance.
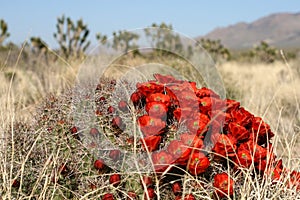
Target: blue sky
pixel 28 18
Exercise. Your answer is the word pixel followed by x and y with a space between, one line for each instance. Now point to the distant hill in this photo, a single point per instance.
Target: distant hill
pixel 280 30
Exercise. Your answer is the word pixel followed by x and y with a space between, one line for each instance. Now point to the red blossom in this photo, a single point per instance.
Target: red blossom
pixel 115 179
pixel 231 105
pixel 165 79
pixel 223 185
pixel 179 151
pixel 198 163
pixel 182 94
pixel 243 158
pixel 151 126
pixel 149 88
pixel 241 116
pixel 111 109
pixel 224 145
pixel 199 124
pixel 156 110
pixel 294 180
pixel 108 196
pixel 117 122
pixel 159 97
pixel 115 154
pixel 99 164
pixel 149 194
pixel 256 150
pixel 191 140
pixel 189 197
pixel 131 195
pixel 122 105
pixel 183 114
pixel 137 98
pixel 151 143
pixel 234 133
pixel 240 133
pixel 161 160
pixel 94 132
pixel 261 130
pixel 205 92
pixel 176 188
pixel 147 181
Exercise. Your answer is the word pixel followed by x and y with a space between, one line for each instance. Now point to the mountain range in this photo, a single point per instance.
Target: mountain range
pixel 281 30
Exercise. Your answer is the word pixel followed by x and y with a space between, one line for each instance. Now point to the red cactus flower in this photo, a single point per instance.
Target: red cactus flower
pixel 115 179
pixel 223 185
pixel 156 110
pixel 179 151
pixel 243 158
pixel 256 150
pixel 151 143
pixel 189 197
pixel 294 181
pixel 191 140
pixel 108 196
pixel 161 160
pixel 111 110
pixel 183 114
pixel 99 164
pixel 241 116
pixel 231 105
pixel 275 172
pixel 165 78
pixel 224 145
pixel 205 92
pixel 159 98
pixel 94 132
pixel 199 124
pixel 137 98
pixel 149 194
pixel 117 122
pixel 115 154
pixel 198 163
pixel 74 130
pixel 122 105
pixel 261 130
pixel 149 87
pixel 239 132
pixel 131 195
pixel 176 188
pixel 147 181
pixel 151 126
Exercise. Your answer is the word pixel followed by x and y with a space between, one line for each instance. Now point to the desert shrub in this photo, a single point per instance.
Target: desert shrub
pixel 216 49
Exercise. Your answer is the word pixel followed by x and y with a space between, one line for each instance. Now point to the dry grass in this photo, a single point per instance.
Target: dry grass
pixel 33 154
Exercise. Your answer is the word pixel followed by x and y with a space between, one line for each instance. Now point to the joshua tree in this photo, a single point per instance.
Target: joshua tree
pixel 265 53
pixel 215 49
pixel 71 37
pixel 3 32
pixel 124 41
pixel 163 38
pixel 101 38
pixel 39 47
